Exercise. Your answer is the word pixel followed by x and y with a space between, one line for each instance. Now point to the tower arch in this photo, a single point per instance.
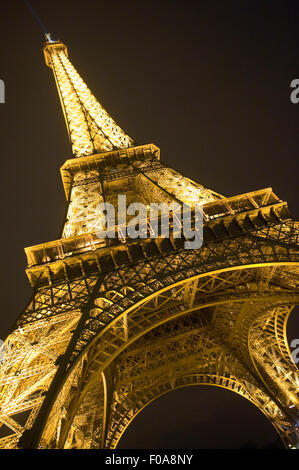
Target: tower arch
pixel 213 308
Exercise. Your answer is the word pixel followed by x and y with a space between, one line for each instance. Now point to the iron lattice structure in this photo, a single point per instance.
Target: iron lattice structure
pixel 113 324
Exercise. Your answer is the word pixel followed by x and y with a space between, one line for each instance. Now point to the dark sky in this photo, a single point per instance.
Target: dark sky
pixel 203 417
pixel 206 81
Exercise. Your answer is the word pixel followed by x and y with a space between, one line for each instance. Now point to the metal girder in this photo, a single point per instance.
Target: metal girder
pixel 112 325
pixel 210 291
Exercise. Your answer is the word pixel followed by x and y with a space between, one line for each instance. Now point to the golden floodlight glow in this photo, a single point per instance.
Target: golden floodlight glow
pixel 115 323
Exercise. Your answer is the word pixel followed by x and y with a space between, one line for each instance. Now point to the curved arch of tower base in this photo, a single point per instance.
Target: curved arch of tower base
pixel 211 327
pixel 81 375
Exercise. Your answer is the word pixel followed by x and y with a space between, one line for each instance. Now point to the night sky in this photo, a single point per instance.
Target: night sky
pixel 207 82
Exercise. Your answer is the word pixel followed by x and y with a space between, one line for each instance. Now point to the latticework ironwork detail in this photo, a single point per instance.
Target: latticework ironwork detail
pixel 114 324
pixel 90 127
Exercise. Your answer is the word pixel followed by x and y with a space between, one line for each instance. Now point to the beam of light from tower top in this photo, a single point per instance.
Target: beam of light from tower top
pixel 35 15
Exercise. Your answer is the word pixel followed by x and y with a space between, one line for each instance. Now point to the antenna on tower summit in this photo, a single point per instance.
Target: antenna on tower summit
pixel 48 37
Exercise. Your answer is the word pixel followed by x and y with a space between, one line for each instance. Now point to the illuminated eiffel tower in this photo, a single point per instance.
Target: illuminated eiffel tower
pixel 114 324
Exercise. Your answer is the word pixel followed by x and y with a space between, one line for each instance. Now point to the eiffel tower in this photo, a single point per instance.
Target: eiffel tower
pixel 115 323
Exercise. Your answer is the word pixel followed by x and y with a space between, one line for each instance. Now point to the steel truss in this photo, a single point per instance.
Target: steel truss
pixel 112 325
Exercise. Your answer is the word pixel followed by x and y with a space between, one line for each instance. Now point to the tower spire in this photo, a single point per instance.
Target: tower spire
pixel 91 129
